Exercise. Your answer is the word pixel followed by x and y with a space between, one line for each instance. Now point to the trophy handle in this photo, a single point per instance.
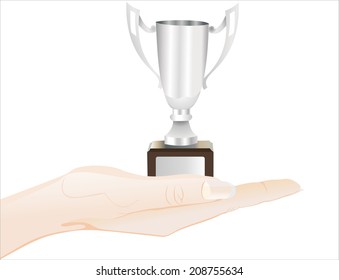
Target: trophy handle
pixel 229 37
pixel 134 21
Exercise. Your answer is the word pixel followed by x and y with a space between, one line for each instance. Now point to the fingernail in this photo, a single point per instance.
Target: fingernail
pixel 215 189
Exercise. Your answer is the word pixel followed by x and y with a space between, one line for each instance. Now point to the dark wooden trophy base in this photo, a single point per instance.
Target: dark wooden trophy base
pixel 165 160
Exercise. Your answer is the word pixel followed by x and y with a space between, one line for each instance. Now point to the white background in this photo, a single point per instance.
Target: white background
pixel 75 93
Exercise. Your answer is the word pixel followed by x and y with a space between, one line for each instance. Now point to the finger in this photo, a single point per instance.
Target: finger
pixel 165 221
pixel 255 193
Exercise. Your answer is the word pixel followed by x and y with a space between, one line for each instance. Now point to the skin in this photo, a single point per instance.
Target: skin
pixel 103 198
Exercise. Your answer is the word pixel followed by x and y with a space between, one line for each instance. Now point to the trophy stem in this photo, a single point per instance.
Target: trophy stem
pixel 181 133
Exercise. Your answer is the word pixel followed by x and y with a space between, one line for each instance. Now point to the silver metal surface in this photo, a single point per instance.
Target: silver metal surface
pixel 166 166
pixel 181 134
pixel 181 115
pixel 182 54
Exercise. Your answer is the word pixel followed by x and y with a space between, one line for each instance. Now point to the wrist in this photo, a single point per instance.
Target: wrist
pixel 33 214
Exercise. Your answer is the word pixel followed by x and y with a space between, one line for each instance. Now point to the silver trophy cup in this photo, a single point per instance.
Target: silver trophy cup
pixel 182 53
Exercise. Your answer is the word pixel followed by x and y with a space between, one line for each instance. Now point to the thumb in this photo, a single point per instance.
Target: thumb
pixel 140 193
pixel 181 190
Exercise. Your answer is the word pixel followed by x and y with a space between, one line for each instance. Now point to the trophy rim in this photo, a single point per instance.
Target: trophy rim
pixel 179 22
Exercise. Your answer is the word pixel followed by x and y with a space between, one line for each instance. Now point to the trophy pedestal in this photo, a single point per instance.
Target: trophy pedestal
pixel 163 160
